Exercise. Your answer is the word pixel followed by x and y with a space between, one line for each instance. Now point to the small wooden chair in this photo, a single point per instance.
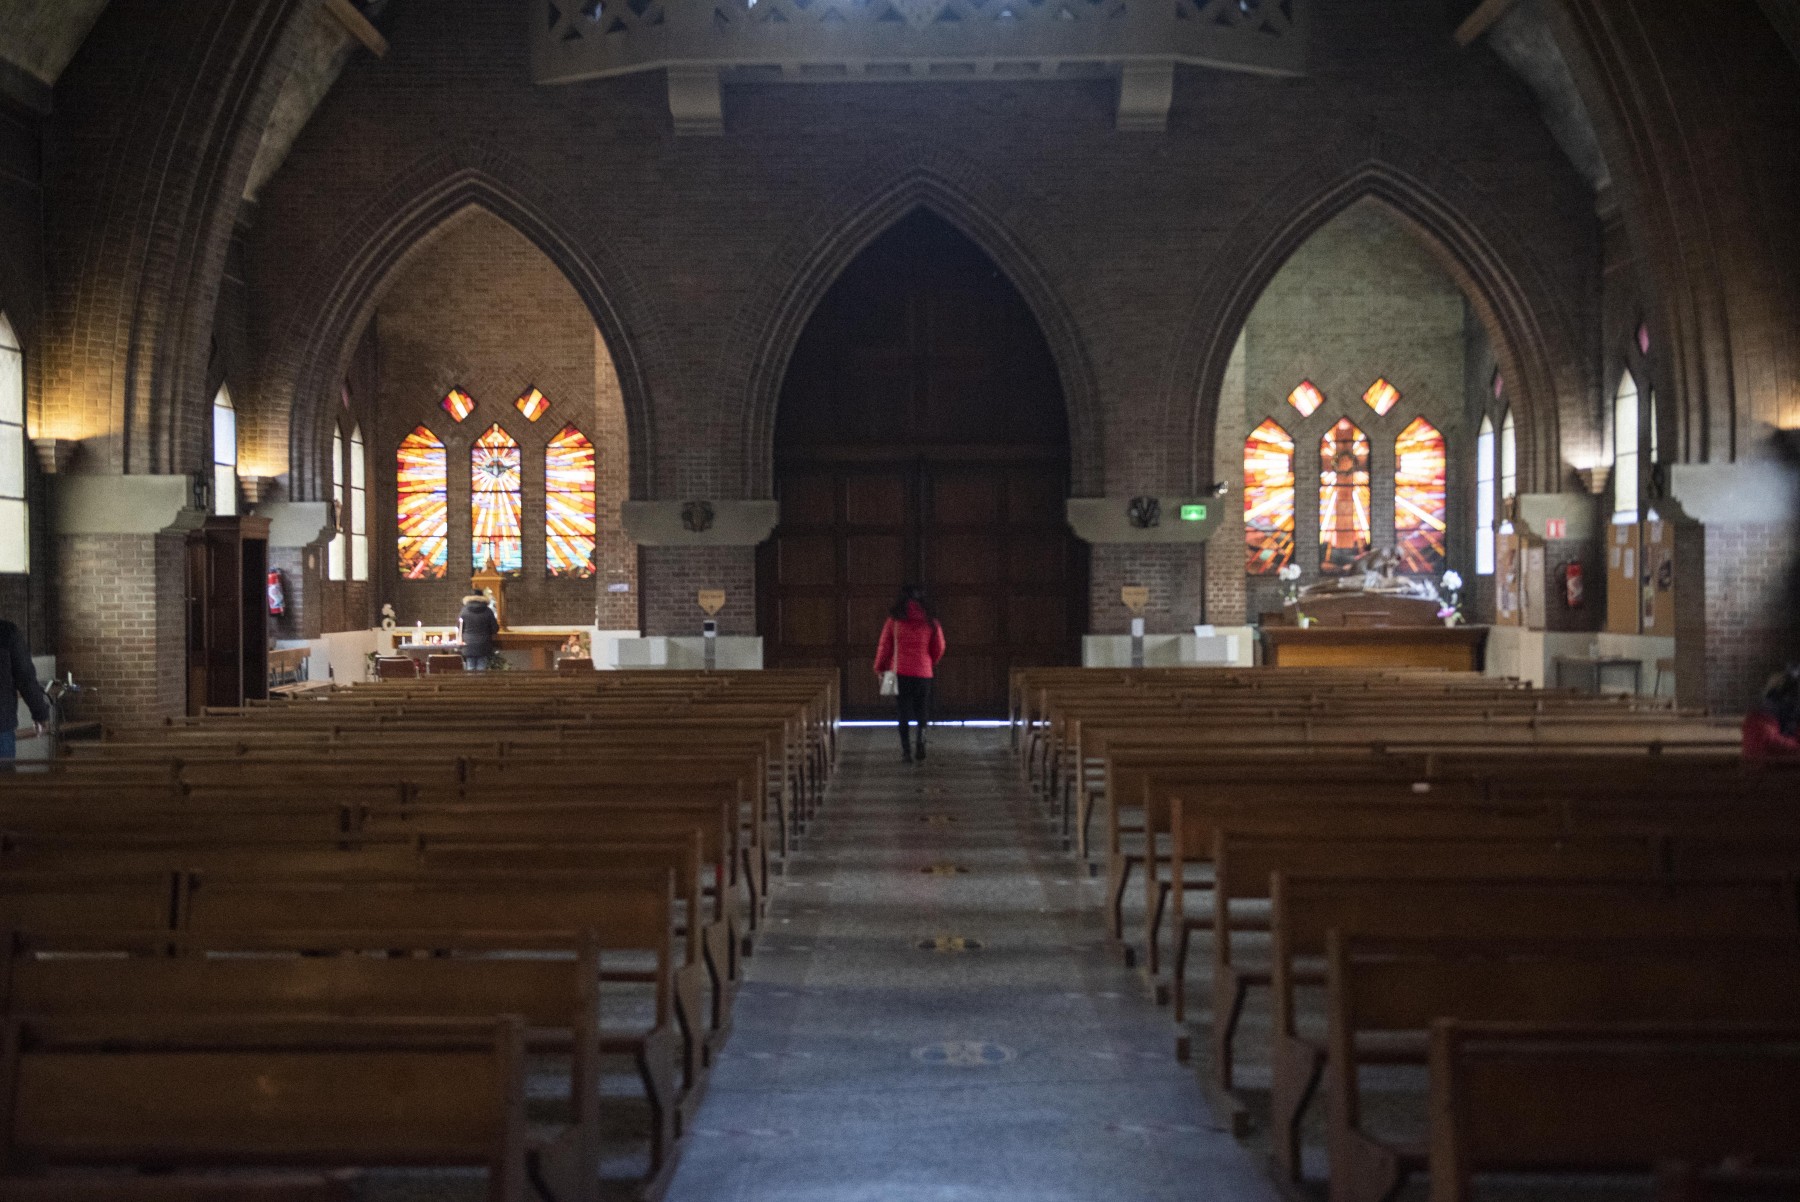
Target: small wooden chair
pixel 396 667
pixel 575 663
pixel 443 663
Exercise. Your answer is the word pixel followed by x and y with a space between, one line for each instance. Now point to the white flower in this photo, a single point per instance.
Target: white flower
pixel 1452 580
pixel 1290 572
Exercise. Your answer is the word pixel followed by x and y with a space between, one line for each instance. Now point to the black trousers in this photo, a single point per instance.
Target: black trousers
pixel 914 703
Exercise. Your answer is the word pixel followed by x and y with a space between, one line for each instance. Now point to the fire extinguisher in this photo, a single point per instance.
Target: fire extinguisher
pixel 277 596
pixel 1571 578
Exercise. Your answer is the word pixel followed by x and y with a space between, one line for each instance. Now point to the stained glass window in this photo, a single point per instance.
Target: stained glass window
pixel 1420 513
pixel 1487 462
pixel 1509 459
pixel 1343 497
pixel 569 504
pixel 423 475
pixel 458 404
pixel 1306 398
pixel 225 454
pixel 496 502
pixel 15 518
pixel 337 554
pixel 1268 499
pixel 1381 397
pixel 533 405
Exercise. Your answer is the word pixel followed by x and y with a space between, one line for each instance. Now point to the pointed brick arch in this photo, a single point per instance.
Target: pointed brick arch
pixel 810 265
pixel 1533 340
pixel 314 348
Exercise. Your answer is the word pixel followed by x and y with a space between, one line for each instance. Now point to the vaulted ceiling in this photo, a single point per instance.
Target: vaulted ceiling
pixel 43 35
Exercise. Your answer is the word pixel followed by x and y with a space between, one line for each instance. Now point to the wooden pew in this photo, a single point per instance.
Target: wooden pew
pixel 1679 1181
pixel 1522 1098
pixel 1305 910
pixel 202 1095
pixel 1384 995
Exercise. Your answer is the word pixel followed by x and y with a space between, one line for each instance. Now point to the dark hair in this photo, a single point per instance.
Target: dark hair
pixel 908 594
pixel 1782 698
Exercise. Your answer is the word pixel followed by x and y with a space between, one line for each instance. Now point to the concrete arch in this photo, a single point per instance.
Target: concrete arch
pixel 1537 355
pixel 783 304
pixel 349 283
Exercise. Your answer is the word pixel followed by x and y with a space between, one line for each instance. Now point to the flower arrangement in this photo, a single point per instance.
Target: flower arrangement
pixel 1450 598
pixel 1289 576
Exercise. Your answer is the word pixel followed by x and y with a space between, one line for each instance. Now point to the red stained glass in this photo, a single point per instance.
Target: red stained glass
pixel 569 504
pixel 533 405
pixel 1382 397
pixel 496 502
pixel 422 474
pixel 458 404
pixel 1306 398
pixel 1268 499
pixel 1343 497
pixel 1420 498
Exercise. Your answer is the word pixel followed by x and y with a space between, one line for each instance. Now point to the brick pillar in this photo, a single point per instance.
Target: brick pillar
pixel 672 577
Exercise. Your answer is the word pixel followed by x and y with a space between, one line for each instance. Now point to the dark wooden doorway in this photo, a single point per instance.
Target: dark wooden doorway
pixel 922 436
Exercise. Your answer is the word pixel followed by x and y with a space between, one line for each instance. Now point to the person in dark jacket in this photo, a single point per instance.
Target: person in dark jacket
pixel 912 643
pixel 21 682
pixel 475 629
pixel 1772 727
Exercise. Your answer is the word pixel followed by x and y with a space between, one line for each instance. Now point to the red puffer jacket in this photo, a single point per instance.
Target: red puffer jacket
pixel 911 646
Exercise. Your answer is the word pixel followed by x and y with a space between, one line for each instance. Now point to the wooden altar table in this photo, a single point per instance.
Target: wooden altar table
pixel 1455 648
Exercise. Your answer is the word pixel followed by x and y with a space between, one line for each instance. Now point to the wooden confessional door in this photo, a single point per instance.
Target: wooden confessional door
pixel 921 437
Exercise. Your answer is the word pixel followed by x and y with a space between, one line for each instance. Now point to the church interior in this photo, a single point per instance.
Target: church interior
pixel 479 477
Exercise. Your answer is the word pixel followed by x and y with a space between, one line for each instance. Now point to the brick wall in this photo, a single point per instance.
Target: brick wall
pixel 1175 574
pixel 481 309
pixel 122 645
pixel 1752 599
pixel 673 576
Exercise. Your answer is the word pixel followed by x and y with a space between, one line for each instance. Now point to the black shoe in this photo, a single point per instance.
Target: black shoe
pixel 921 749
pixel 906 754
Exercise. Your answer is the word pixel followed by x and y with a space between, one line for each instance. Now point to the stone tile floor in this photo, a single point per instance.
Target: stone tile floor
pixel 1027 1065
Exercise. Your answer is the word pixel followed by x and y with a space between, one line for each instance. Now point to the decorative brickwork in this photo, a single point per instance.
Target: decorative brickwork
pixel 120 613
pixel 673 576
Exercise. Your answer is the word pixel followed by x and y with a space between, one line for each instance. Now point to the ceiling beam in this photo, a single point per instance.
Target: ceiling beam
pixel 357 26
pixel 1486 14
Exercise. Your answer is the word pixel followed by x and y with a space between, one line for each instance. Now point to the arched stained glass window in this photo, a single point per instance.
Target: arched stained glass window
pixel 1268 499
pixel 1625 450
pixel 225 454
pixel 1487 463
pixel 1343 497
pixel 569 504
pixel 15 516
pixel 359 508
pixel 337 555
pixel 496 502
pixel 1420 498
pixel 423 474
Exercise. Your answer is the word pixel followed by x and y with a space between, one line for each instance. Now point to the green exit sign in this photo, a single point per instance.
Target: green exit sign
pixel 1193 513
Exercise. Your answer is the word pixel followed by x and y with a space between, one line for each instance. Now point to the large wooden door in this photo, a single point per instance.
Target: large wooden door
pixel 921 438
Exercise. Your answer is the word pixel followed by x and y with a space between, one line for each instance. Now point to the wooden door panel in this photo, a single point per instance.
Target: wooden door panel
pixel 1034 497
pixel 808 500
pixel 966 683
pixel 875 561
pixel 974 617
pixel 876 500
pixel 809 622
pixel 1036 561
pixel 807 560
pixel 1037 621
pixel 965 499
pixel 963 558
pixel 863 619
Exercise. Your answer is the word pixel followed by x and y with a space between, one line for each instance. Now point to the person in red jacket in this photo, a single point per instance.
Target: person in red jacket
pixel 912 642
pixel 1772 727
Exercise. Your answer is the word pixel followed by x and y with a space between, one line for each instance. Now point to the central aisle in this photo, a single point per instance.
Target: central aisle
pixel 865 1067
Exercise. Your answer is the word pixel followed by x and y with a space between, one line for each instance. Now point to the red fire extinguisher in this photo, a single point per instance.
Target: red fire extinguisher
pixel 1571 578
pixel 277 596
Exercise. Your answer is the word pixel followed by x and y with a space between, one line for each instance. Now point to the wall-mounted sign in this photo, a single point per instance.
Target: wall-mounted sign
pixel 1556 528
pixel 712 600
pixel 1135 597
pixel 622 586
pixel 1193 513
